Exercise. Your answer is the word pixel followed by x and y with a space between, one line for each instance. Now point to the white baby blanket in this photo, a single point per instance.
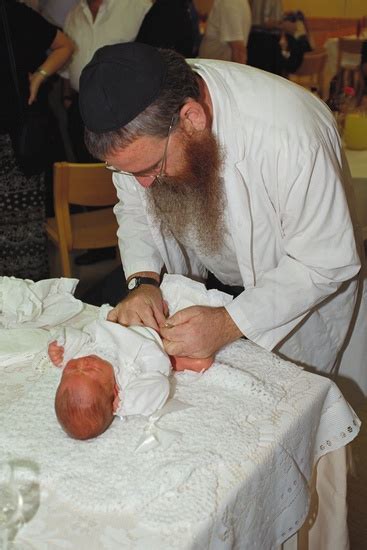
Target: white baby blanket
pixel 27 309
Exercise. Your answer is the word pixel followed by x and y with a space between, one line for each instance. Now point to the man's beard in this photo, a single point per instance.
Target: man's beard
pixel 191 204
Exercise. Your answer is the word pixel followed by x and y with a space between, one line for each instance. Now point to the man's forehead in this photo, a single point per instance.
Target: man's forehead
pixel 143 152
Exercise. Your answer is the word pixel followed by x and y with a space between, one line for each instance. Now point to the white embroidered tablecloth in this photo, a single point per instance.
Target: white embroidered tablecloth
pixel 236 477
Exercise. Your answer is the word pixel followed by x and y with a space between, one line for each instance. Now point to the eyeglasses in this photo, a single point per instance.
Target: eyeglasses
pixel 161 173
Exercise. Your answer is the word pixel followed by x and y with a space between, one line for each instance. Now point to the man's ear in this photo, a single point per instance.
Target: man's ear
pixel 193 117
pixel 116 400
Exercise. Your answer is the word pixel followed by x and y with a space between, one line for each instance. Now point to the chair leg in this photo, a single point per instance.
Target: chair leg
pixel 65 260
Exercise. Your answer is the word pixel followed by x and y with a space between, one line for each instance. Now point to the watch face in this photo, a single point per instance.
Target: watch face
pixel 132 283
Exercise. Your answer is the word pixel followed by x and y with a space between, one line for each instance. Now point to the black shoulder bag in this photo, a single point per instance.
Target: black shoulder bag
pixel 30 136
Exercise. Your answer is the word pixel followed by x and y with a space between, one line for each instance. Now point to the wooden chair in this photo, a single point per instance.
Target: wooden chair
pixel 349 70
pixel 86 185
pixel 311 71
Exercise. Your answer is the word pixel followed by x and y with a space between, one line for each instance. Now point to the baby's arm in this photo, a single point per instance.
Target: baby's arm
pixel 191 363
pixel 56 353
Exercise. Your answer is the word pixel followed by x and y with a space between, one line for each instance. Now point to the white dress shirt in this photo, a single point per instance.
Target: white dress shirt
pixel 117 21
pixel 285 178
pixel 228 21
pixel 55 11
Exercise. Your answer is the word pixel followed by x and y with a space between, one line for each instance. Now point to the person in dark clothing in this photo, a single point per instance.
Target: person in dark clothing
pixel 170 24
pixel 23 245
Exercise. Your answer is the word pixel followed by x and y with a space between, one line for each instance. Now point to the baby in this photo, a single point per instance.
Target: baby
pixel 109 369
pixel 128 376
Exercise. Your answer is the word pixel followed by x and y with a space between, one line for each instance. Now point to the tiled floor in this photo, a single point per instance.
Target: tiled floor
pixel 357 497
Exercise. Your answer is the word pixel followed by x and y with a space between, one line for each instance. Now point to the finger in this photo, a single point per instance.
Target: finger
pixel 159 316
pixel 182 316
pixel 174 333
pixel 149 320
pixel 113 316
pixel 174 348
pixel 165 308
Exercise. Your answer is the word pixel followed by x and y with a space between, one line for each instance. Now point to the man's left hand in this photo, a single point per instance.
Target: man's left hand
pixel 198 331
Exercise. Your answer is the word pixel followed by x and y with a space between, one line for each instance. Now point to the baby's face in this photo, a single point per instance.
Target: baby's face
pixel 90 369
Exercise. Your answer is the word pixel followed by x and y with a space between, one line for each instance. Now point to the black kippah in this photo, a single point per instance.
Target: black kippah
pixel 118 83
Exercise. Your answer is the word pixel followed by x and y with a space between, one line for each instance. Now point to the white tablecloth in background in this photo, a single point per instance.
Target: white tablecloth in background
pixel 357 161
pixel 236 478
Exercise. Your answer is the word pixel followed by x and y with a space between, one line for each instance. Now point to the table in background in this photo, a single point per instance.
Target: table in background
pixel 237 477
pixel 357 161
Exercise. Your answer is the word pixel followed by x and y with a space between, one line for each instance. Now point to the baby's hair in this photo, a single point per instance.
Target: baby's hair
pixel 82 418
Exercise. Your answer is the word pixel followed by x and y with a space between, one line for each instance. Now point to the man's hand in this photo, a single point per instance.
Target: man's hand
pixel 198 331
pixel 143 306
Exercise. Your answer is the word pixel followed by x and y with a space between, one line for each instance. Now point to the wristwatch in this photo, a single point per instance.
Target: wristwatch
pixel 135 282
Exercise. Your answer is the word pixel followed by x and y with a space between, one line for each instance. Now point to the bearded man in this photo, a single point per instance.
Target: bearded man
pixel 225 169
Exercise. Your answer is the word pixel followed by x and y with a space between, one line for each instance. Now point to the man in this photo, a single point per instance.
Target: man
pixel 231 170
pixel 227 31
pixel 92 24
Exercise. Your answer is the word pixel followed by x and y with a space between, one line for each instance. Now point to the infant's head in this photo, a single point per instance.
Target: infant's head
pixel 87 397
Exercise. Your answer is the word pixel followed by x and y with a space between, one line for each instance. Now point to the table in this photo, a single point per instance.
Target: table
pixel 357 161
pixel 235 476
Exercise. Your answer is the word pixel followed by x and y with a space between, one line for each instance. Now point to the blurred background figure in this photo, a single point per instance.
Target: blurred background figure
pixel 264 49
pixel 92 24
pixel 277 40
pixel 171 24
pixel 227 31
pixel 55 11
pixel 23 245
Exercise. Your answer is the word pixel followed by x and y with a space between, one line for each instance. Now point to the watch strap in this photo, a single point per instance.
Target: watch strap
pixel 143 281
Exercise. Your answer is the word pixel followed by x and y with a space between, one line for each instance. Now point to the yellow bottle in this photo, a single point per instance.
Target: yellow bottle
pixel 355 131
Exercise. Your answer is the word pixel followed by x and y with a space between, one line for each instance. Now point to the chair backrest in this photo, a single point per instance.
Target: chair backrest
pixel 349 46
pixel 85 184
pixel 313 63
pixel 323 28
pixel 81 184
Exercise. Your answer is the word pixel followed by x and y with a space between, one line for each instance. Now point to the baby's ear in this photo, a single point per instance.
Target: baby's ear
pixel 116 400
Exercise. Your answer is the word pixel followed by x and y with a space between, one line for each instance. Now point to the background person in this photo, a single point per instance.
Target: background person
pixel 92 24
pixel 227 30
pixel 23 244
pixel 170 24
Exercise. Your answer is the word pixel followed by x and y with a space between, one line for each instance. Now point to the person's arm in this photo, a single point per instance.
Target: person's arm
pixel 140 257
pixel 67 93
pixel 238 51
pixel 61 51
pixel 235 23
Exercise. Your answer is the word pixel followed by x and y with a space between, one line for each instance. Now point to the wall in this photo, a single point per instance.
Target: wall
pixel 313 8
pixel 328 8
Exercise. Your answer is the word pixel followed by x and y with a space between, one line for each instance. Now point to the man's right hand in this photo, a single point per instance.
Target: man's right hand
pixel 143 306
